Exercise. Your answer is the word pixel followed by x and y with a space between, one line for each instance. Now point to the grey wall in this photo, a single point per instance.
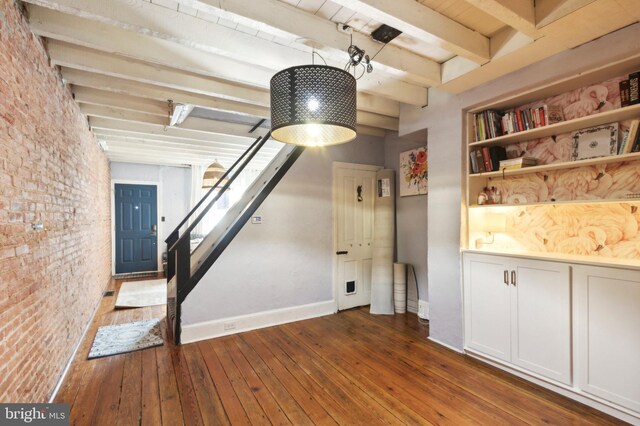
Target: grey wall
pixel 176 191
pixel 286 261
pixel 411 219
pixel 444 120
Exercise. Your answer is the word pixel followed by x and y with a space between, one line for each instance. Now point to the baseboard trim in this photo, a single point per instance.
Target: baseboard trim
pixel 216 328
pixel 460 351
pixel 56 389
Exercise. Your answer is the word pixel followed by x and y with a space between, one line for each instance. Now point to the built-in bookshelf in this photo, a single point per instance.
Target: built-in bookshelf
pixel 604 187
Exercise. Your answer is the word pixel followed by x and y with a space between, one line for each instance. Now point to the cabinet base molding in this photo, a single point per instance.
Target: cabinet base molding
pixel 573 393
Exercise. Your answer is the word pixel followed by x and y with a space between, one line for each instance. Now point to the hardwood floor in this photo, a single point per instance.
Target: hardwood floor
pixel 348 369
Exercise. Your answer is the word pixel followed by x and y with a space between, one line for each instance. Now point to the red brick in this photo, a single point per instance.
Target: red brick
pixel 52 170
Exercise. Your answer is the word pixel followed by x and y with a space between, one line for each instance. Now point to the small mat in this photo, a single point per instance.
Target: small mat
pixel 136 294
pixel 123 338
pixel 126 275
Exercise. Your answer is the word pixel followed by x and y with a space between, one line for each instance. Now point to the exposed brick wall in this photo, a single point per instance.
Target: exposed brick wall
pixel 51 171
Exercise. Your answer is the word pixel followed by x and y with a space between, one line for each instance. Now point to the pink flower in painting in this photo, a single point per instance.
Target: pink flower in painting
pixel 421 157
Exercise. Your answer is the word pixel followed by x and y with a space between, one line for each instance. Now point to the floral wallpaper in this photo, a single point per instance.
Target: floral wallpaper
pixel 609 230
pixel 599 182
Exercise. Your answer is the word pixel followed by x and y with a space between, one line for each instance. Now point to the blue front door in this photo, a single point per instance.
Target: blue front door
pixel 136 228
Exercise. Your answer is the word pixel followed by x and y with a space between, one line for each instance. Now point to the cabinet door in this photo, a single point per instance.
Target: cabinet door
pixel 486 302
pixel 541 318
pixel 607 312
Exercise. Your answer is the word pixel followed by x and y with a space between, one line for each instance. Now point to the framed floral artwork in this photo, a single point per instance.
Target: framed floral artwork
pixel 414 172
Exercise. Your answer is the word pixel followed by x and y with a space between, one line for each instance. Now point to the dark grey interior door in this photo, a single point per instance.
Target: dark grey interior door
pixel 136 228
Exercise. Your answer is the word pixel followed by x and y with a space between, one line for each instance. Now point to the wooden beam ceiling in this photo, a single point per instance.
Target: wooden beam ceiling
pixel 125 59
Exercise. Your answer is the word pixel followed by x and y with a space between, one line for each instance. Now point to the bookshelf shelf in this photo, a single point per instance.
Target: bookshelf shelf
pixel 576 202
pixel 557 166
pixel 615 115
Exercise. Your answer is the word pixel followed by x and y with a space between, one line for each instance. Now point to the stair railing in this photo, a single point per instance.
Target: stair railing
pixel 175 237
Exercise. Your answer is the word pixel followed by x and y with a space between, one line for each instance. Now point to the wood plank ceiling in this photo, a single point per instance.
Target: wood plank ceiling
pixel 125 59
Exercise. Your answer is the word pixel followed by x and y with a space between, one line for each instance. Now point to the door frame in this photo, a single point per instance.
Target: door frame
pixel 334 216
pixel 160 214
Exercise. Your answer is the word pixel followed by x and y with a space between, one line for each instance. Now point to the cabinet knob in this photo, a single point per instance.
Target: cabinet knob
pixel 513 278
pixel 506 277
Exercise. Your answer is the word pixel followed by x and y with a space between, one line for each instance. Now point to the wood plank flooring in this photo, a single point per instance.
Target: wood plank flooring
pixel 346 369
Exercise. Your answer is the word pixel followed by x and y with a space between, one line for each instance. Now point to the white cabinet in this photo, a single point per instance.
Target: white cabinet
pixel 487 305
pixel 607 316
pixel 519 311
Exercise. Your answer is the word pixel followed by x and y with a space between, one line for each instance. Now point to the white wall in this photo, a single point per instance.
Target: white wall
pixel 444 120
pixel 411 219
pixel 286 261
pixel 176 186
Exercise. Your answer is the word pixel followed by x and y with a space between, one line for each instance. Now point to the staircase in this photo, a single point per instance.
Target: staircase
pixel 186 267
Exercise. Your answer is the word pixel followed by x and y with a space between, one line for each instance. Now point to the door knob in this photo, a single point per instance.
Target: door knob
pixel 154 230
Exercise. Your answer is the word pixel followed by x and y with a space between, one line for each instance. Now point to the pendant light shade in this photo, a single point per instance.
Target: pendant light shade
pixel 214 172
pixel 313 105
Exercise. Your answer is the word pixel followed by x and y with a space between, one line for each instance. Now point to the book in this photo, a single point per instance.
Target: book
pixel 517 163
pixel 631 138
pixel 634 95
pixel 497 153
pixel 486 157
pixel 473 162
pixel 623 142
pixel 554 114
pixel 624 93
pixel 480 161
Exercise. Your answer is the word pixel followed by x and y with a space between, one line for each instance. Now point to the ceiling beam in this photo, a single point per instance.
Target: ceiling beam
pixel 124 134
pixel 549 11
pixel 73 56
pixel 255 70
pixel 424 23
pixel 153 147
pixel 154 129
pixel 518 14
pixel 212 127
pixel 151 91
pixel 366 102
pixel 133 156
pixel 285 17
pixel 169 162
pixel 189 31
pixel 182 144
pixel 87 95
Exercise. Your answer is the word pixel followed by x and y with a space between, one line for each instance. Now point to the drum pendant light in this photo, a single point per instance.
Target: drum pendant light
pixel 214 172
pixel 313 105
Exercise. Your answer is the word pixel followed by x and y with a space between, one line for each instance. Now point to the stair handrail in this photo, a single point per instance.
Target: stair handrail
pixel 212 189
pixel 258 145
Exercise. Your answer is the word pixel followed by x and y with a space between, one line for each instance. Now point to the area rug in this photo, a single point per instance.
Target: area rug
pixel 129 337
pixel 136 294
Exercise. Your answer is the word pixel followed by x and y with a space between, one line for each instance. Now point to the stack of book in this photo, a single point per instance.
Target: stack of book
pixel 629 90
pixel 517 163
pixel 630 141
pixel 486 159
pixel 488 125
pixel 518 119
